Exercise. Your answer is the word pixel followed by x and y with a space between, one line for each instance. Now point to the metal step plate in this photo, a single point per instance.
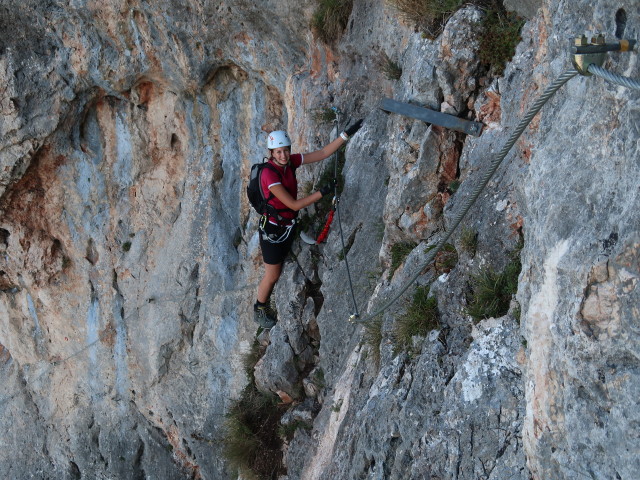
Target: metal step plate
pixel 431 116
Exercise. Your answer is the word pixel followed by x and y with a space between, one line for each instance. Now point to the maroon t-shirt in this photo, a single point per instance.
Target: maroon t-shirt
pixel 287 179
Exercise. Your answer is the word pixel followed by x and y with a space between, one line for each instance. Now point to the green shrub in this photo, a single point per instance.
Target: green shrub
pixel 251 441
pixel 500 36
pixel 373 338
pixel 429 16
pixel 330 19
pixel 400 251
pixel 421 317
pixel 492 291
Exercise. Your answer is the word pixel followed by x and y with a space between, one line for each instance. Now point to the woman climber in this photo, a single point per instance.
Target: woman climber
pixel 280 188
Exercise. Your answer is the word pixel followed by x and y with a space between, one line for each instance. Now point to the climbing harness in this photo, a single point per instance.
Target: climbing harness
pixel 586 64
pixel 282 233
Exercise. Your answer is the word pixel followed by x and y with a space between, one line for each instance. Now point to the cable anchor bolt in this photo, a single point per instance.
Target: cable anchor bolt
pixel 586 53
pixel 582 61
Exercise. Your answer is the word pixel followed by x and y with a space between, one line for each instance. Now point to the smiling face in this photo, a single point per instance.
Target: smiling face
pixel 281 155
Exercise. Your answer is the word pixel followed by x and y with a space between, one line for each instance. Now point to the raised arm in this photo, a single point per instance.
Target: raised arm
pixel 330 148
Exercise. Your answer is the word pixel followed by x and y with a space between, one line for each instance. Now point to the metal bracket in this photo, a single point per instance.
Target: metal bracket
pixel 582 61
pixel 587 53
pixel 431 116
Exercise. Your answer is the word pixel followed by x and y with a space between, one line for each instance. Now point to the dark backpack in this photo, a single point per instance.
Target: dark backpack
pixel 255 194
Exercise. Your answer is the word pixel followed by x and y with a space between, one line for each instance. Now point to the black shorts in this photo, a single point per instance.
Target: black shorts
pixel 275 253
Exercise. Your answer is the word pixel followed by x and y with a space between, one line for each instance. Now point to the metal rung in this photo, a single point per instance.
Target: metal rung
pixel 431 116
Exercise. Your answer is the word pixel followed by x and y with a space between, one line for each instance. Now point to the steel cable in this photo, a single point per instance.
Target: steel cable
pixel 355 314
pixel 535 108
pixel 614 77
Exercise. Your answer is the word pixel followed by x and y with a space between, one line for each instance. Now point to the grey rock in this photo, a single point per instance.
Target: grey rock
pixel 129 255
pixel 277 369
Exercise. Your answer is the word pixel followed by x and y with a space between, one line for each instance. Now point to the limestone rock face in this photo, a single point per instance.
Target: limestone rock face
pixel 129 255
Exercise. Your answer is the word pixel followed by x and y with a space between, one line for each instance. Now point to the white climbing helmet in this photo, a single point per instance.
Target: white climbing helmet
pixel 279 138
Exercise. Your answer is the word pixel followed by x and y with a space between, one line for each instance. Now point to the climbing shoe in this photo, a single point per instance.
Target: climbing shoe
pixel 264 315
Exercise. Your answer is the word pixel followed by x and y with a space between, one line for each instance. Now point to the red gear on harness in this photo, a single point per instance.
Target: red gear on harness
pixel 325 231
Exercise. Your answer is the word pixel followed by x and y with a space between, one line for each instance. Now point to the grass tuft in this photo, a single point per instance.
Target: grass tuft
pixel 492 291
pixel 429 16
pixel 421 317
pixel 251 442
pixel 330 19
pixel 391 69
pixel 469 241
pixel 501 35
pixel 251 358
pixel 373 338
pixel 500 28
pixel 446 259
pixel 453 187
pixel 400 251
pixel 318 377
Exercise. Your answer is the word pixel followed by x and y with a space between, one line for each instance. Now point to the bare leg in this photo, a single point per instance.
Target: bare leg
pixel 271 276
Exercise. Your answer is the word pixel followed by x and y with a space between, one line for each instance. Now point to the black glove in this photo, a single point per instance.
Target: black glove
pixel 350 131
pixel 328 188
